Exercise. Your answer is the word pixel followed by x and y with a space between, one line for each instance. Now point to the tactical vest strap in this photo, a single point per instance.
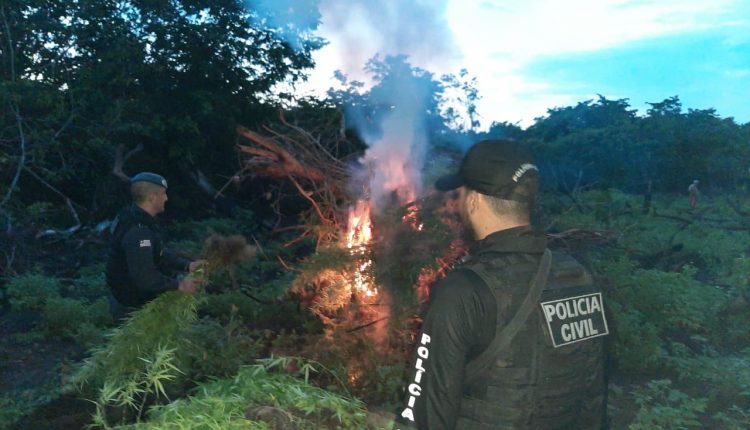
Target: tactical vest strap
pixel 484 361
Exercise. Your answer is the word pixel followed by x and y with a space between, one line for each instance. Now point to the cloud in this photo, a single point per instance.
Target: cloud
pixel 538 27
pixel 498 44
pixel 737 73
pixel 360 29
pixel 701 68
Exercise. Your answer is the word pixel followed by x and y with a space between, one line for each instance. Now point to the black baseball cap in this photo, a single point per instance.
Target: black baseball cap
pixel 149 177
pixel 496 168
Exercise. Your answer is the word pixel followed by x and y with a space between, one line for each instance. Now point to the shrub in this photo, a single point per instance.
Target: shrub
pixel 242 223
pixel 663 407
pixel 217 351
pixel 668 300
pixel 76 320
pixel 734 418
pixel 636 345
pixel 64 315
pixel 32 291
pixel 726 376
pixel 90 284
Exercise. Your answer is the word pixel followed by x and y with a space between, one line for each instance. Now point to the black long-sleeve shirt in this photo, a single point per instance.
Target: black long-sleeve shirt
pixel 148 277
pixel 139 267
pixel 459 325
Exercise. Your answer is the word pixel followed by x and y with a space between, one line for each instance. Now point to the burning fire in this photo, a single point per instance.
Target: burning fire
pixel 360 227
pixel 428 275
pixel 358 238
pixel 410 218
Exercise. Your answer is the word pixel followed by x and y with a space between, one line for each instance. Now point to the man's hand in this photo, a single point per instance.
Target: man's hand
pixel 195 265
pixel 188 285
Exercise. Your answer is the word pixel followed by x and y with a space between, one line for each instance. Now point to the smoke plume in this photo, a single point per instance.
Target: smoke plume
pixel 390 29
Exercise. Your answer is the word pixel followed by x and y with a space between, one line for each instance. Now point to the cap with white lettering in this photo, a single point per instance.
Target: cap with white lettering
pixel 496 168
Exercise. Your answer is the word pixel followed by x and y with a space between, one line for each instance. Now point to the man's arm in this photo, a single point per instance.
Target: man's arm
pixel 451 327
pixel 172 262
pixel 139 253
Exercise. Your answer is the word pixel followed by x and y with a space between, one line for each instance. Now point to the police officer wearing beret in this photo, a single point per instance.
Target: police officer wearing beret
pixel 513 336
pixel 139 267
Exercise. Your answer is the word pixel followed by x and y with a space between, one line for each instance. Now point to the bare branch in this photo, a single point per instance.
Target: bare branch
pixel 21 160
pixel 295 154
pixel 48 185
pixel 234 179
pixel 360 327
pixel 307 194
pixel 286 266
pixel 11 51
pixel 309 136
pixel 121 159
pixel 67 232
pixel 286 162
pixel 8 223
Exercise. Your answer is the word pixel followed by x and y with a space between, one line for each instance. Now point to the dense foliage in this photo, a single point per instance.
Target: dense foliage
pixel 80 79
pixel 605 144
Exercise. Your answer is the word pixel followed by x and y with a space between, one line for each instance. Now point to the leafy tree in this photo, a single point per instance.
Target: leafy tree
pixel 604 144
pixel 445 106
pixel 503 130
pixel 174 76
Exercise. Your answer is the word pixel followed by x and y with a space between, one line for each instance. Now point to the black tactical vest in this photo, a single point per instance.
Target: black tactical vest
pixel 118 273
pixel 551 376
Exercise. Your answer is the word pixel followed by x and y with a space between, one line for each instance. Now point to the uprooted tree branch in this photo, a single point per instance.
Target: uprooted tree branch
pixel 290 153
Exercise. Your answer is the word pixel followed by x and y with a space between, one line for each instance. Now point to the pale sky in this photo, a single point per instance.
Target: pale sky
pixel 538 54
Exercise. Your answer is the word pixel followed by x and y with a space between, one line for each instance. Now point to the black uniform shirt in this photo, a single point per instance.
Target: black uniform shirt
pixel 460 323
pixel 138 263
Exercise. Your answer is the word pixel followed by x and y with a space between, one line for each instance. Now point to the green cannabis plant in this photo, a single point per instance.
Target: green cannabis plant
pixel 140 361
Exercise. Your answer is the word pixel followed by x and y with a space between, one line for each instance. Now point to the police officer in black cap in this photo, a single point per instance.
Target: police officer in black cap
pixel 513 336
pixel 139 267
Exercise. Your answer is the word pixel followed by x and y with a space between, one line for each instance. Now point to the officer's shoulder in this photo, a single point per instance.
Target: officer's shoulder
pixel 460 284
pixel 137 231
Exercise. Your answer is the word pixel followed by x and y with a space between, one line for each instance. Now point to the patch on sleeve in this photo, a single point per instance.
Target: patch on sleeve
pixel 574 319
pixel 145 243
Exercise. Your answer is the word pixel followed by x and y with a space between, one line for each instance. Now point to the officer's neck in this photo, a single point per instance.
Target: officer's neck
pixel 148 208
pixel 481 231
pixel 484 222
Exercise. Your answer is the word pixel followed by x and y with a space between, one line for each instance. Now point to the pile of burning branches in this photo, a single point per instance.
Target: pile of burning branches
pixel 290 153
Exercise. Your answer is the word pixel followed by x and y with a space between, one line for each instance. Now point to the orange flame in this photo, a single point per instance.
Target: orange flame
pixel 359 236
pixel 410 218
pixel 428 275
pixel 360 227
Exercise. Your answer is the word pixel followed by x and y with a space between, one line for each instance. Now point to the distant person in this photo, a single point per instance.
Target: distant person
pixel 139 268
pixel 693 193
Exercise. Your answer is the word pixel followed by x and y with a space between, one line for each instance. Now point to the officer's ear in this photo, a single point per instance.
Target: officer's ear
pixel 472 200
